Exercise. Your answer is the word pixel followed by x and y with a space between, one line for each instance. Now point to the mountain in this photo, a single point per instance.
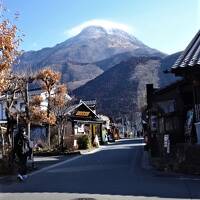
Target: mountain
pixel 87 55
pixel 166 63
pixel 121 90
pixel 110 66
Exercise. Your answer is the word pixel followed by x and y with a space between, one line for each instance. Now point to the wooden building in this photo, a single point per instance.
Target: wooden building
pixel 172 115
pixel 166 116
pixel 188 67
pixel 82 119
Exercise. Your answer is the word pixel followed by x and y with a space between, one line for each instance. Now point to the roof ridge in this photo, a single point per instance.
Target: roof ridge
pixel 191 55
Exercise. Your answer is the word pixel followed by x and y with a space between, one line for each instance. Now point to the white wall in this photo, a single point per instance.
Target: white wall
pixel 20 103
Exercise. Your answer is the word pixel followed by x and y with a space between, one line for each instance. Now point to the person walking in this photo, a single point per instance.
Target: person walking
pixel 22 150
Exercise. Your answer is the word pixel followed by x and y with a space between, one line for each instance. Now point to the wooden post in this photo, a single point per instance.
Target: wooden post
pixel 73 132
pixel 92 134
pixel 100 129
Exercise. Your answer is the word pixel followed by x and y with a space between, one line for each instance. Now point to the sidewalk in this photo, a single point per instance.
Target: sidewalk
pixel 147 165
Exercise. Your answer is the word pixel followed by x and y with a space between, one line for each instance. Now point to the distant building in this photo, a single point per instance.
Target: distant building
pixel 82 119
pixel 106 121
pixel 38 132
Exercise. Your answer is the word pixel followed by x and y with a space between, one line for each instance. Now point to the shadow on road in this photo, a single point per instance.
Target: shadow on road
pixel 115 170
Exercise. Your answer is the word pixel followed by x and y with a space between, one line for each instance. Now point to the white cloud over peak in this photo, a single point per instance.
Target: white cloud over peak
pixel 108 25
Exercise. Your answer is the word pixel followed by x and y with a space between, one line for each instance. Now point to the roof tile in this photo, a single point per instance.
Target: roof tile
pixel 191 56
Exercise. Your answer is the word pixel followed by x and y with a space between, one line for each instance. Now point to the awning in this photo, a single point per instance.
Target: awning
pixel 89 122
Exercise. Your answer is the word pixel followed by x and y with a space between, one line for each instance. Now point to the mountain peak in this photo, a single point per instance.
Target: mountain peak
pixel 106 25
pixel 97 31
pixel 93 31
pixel 105 30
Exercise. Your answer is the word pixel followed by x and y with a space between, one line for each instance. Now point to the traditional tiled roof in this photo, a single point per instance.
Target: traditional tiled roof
pixel 90 102
pixel 73 107
pixel 34 86
pixel 190 57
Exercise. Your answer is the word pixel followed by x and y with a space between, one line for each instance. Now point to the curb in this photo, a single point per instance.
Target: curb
pixel 57 154
pixel 85 152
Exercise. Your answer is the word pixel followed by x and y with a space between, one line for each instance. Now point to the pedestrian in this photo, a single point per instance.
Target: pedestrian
pixel 22 150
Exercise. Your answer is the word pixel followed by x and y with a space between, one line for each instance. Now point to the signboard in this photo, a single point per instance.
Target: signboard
pixel 167 143
pixel 82 113
pixel 80 128
pixel 166 140
pixel 188 124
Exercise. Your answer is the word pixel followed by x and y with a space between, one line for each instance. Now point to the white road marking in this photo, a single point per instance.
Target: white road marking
pixel 74 196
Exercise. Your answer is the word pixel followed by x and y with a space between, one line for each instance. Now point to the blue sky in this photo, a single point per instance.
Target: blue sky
pixel 167 25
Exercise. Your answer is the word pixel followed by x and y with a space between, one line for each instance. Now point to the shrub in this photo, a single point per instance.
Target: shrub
pixel 84 142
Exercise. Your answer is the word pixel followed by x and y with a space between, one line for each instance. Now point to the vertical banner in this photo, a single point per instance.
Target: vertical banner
pixel 188 125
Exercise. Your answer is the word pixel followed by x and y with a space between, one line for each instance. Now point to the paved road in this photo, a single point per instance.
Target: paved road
pixel 117 171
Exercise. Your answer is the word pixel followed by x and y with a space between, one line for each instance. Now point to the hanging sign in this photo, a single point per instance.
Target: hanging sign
pixel 167 143
pixel 166 140
pixel 188 124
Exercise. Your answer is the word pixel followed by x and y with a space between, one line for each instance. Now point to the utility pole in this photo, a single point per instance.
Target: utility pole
pixel 28 127
pixel 123 126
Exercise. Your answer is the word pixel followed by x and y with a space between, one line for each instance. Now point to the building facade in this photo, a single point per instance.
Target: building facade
pixel 172 116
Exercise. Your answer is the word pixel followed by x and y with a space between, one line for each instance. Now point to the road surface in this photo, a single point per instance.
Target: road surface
pixel 119 171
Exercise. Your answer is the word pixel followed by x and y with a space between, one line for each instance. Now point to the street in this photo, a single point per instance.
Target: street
pixel 116 171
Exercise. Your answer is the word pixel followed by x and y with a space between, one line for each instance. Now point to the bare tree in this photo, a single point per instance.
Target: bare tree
pixel 9 43
pixel 49 80
pixel 10 96
pixel 60 103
